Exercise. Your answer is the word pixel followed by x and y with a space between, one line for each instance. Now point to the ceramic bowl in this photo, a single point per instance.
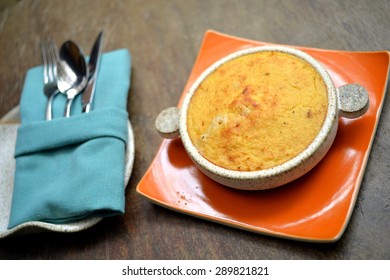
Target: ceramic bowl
pixel 346 101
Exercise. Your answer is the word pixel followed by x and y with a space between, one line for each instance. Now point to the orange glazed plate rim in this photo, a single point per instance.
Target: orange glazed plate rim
pixel 314 208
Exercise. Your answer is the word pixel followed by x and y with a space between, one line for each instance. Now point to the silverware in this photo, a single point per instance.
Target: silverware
pixel 50 58
pixel 72 72
pixel 93 66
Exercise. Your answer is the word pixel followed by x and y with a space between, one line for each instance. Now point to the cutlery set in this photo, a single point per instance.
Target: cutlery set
pixel 45 154
pixel 65 71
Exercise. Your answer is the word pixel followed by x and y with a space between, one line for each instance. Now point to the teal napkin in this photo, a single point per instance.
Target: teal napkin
pixel 70 169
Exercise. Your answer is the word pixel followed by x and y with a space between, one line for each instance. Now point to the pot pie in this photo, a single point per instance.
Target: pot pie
pixel 257 111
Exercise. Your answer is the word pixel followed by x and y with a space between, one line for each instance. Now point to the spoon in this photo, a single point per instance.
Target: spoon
pixel 72 73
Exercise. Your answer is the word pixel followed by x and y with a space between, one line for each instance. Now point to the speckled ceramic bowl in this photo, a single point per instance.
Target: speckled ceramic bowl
pixel 347 101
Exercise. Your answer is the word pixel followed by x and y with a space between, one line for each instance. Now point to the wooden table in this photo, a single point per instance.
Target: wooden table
pixel 164 38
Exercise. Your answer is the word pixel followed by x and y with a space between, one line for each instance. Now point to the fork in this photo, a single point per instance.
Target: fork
pixel 49 57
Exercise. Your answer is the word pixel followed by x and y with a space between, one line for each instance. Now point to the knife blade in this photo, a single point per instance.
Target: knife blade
pixel 93 65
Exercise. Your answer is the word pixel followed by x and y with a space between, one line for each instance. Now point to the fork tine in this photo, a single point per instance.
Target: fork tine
pixel 56 58
pixel 52 60
pixel 45 61
pixel 56 55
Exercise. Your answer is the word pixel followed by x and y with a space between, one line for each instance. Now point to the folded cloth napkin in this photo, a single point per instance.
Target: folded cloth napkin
pixel 70 169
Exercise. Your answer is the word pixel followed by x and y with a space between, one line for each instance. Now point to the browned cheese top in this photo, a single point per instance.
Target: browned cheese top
pixel 257 111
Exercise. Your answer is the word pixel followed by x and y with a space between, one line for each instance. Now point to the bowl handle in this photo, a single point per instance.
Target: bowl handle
pixel 353 100
pixel 167 123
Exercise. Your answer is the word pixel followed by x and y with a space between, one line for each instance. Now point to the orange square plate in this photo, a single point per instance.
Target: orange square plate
pixel 315 207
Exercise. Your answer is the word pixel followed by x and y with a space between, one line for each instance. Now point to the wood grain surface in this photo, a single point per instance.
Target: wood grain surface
pixel 164 38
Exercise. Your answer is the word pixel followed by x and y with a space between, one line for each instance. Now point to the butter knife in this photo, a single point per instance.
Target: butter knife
pixel 93 65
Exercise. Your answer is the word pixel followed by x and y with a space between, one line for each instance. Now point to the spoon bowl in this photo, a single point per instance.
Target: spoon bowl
pixel 72 71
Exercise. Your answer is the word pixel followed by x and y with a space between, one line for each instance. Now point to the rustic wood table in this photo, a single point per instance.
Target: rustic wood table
pixel 164 38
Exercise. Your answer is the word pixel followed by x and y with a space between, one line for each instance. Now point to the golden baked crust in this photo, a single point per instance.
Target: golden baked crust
pixel 257 111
